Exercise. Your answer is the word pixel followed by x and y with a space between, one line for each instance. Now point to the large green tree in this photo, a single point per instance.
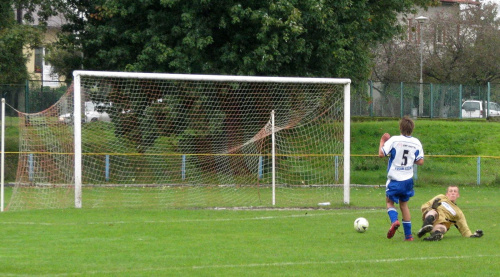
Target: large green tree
pixel 19 31
pixel 13 38
pixel 323 38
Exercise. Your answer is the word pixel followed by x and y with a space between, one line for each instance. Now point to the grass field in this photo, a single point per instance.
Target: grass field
pixel 227 242
pixel 276 242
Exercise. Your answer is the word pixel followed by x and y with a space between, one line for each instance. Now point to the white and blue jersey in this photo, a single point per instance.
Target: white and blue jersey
pixel 404 152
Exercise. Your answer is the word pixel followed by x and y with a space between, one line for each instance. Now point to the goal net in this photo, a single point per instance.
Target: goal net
pixel 172 140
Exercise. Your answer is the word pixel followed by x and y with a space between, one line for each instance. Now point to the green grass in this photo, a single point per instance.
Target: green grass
pixel 439 137
pixel 191 242
pixel 273 242
pixel 461 142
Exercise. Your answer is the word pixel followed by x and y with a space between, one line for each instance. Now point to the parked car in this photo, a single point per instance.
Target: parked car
pixel 477 109
pixel 93 112
pixel 472 109
pixel 494 109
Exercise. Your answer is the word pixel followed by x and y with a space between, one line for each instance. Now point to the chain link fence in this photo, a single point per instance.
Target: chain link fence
pixel 32 96
pixel 374 99
pixel 379 99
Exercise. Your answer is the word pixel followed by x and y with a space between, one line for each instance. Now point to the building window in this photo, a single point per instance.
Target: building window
pixel 38 59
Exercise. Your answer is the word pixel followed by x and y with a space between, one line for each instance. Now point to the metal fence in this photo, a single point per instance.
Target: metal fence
pixel 378 99
pixel 32 96
pixel 373 99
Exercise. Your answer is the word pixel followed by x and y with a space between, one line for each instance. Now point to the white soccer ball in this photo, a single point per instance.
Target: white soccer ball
pixel 361 224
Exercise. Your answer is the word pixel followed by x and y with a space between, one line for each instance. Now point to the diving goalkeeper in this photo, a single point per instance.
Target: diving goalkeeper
pixel 440 213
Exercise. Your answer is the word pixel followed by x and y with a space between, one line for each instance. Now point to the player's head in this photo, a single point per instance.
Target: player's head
pixel 406 126
pixel 452 193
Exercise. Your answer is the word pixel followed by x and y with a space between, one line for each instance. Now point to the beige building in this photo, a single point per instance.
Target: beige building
pixel 38 67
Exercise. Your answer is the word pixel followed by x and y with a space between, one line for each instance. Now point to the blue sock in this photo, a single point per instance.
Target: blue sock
pixel 407 228
pixel 393 214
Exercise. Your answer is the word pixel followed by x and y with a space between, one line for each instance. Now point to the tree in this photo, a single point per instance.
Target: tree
pixel 458 48
pixel 13 37
pixel 259 37
pixel 468 51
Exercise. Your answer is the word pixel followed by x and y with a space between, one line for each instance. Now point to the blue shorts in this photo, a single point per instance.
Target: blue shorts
pixel 399 190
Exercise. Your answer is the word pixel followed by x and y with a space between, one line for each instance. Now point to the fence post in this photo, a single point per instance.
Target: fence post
pixel 402 112
pixel 479 170
pixel 260 168
pixel 336 168
pixel 488 103
pixel 31 167
pixel 183 167
pixel 27 97
pixel 432 103
pixel 460 102
pixel 106 170
pixel 371 98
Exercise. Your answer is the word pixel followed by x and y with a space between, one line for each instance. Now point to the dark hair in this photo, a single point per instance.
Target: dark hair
pixel 406 126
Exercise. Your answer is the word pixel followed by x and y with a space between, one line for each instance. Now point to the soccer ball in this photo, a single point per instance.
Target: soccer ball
pixel 361 224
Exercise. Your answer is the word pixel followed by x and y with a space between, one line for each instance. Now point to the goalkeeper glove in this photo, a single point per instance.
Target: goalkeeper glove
pixel 436 203
pixel 477 234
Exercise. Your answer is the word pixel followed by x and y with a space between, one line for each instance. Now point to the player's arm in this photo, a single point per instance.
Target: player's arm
pixel 462 226
pixel 385 137
pixel 419 156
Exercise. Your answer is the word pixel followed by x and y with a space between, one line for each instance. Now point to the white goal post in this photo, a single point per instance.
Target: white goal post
pixel 217 78
pixel 185 140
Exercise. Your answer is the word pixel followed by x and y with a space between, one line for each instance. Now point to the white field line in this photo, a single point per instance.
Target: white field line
pixel 306 213
pixel 334 262
pixel 278 264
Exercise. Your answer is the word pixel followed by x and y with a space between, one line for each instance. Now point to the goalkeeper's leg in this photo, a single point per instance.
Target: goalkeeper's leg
pixel 427 226
pixel 437 233
pixel 435 236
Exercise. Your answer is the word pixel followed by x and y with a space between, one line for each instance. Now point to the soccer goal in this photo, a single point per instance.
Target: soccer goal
pixel 121 139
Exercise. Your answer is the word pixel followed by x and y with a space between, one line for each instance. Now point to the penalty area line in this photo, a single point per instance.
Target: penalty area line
pixel 341 262
pixel 282 264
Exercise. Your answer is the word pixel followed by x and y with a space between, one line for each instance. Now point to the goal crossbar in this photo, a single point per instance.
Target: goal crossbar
pixel 218 78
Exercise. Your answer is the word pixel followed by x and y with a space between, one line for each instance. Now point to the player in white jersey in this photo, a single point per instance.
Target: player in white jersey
pixel 404 152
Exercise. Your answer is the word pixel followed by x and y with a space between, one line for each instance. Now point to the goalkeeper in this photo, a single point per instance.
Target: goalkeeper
pixel 440 213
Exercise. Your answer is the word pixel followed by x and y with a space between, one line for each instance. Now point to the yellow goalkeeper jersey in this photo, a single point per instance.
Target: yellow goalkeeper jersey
pixel 448 213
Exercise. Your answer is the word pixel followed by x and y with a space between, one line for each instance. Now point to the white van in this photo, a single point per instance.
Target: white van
pixel 477 109
pixel 472 109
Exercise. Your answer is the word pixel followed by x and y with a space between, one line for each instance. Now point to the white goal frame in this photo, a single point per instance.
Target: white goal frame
pixel 77 111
